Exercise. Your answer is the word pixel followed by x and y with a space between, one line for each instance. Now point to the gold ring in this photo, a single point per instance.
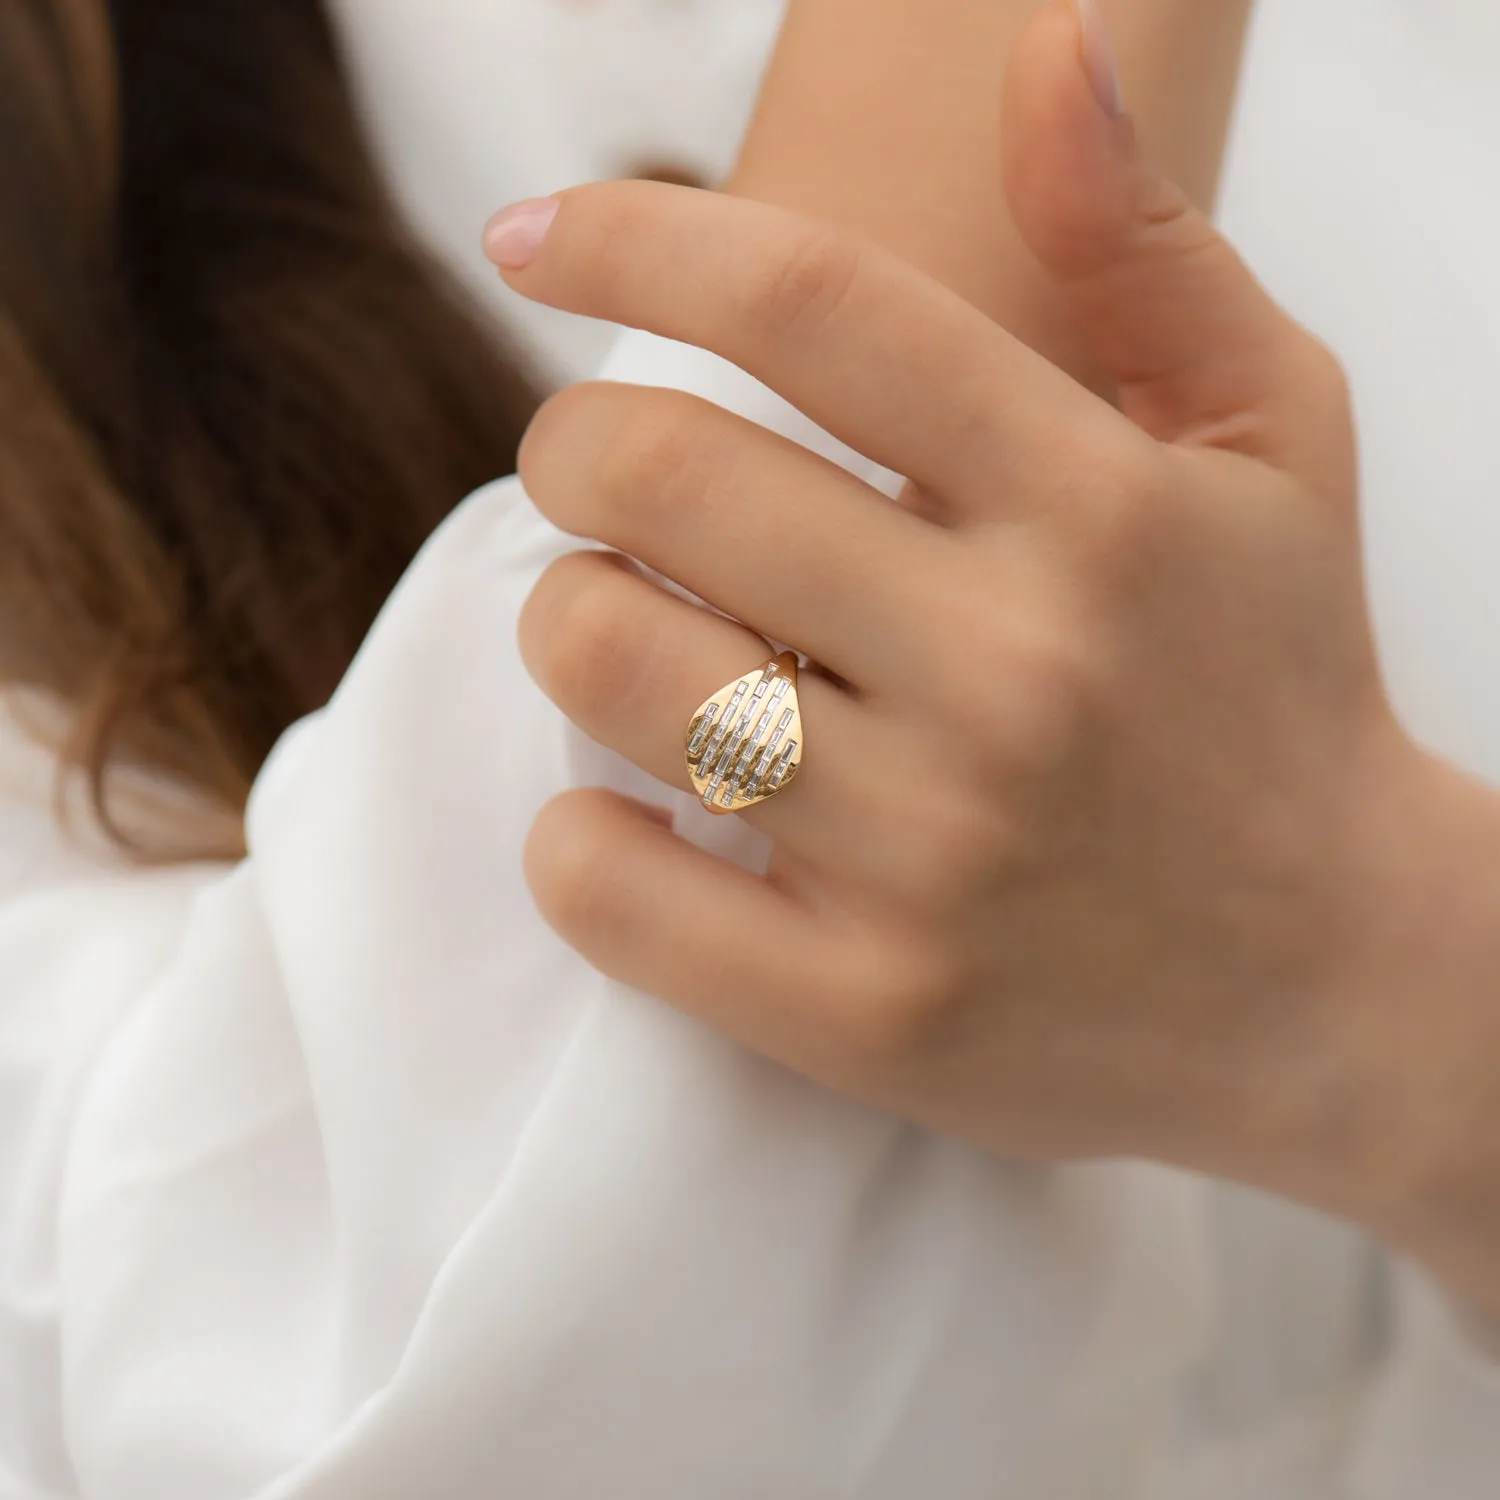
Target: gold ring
pixel 745 743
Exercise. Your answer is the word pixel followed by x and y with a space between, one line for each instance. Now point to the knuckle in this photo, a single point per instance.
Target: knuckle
pixel 1051 704
pixel 955 839
pixel 602 460
pixel 567 864
pixel 903 1008
pixel 804 285
pixel 575 638
pixel 1173 237
pixel 1174 231
pixel 554 427
pixel 1322 376
pixel 1045 686
pixel 1119 531
pixel 659 458
pixel 553 450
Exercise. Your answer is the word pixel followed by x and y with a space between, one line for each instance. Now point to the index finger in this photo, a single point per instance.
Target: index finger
pixel 885 358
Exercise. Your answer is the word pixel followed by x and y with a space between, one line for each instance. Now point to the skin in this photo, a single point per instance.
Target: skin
pixel 1107 841
pixel 882 117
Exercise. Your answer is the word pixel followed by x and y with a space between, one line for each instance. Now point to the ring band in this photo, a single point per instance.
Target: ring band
pixel 745 743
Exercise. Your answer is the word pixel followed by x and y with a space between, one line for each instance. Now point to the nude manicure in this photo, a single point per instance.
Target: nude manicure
pixel 513 238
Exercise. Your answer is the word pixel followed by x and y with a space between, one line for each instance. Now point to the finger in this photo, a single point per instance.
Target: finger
pixel 897 366
pixel 772 534
pixel 629 664
pixel 1201 352
pixel 652 911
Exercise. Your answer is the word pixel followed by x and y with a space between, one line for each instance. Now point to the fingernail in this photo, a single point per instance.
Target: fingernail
pixel 1099 60
pixel 514 236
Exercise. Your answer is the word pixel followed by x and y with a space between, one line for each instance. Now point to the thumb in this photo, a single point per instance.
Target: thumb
pixel 1199 351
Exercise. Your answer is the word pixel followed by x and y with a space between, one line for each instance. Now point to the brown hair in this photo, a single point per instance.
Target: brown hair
pixel 235 398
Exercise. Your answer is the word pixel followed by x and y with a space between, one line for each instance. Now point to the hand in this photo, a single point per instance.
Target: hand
pixel 1106 840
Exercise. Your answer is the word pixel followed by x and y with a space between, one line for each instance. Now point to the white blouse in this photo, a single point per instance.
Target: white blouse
pixel 335 1176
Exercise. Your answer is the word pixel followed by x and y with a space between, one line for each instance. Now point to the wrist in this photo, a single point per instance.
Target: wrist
pixel 882 118
pixel 1410 1132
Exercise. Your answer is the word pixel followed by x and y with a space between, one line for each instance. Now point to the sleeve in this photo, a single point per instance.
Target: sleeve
pixel 363 1185
pixel 1430 1422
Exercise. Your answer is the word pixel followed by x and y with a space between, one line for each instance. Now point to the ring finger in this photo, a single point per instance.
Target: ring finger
pixel 629 663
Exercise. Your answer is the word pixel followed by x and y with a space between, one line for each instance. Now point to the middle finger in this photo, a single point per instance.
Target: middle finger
pixel 770 533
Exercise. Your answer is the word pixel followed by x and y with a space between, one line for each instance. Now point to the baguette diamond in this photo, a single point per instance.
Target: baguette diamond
pixel 745 743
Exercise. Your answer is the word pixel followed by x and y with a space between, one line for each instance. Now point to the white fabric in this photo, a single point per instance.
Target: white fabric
pixel 335 1177
pixel 476 103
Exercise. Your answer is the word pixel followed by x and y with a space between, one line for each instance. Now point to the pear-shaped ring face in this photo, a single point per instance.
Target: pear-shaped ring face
pixel 745 743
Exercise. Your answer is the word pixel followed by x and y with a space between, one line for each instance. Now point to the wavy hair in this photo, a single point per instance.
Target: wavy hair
pixel 235 396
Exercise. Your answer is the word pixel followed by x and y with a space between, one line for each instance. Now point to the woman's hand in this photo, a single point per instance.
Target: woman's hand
pixel 1106 840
